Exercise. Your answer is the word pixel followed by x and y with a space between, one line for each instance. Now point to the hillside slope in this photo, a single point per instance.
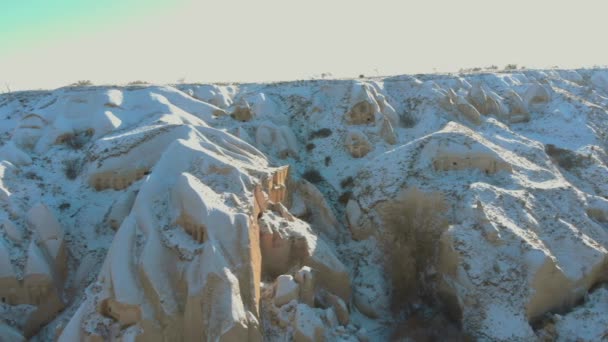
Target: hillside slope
pixel 469 206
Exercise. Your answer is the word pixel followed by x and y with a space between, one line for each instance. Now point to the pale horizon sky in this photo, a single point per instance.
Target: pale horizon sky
pixel 49 44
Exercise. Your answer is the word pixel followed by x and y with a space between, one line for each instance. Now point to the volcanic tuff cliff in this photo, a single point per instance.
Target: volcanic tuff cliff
pixel 469 206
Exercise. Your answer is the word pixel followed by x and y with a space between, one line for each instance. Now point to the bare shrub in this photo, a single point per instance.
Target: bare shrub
pixel 313 176
pixel 72 167
pixel 347 182
pixel 413 222
pixel 32 175
pixel 82 83
pixel 343 199
pixel 407 120
pixel 565 158
pixel 321 133
pixel 434 327
pixel 138 82
pixel 76 140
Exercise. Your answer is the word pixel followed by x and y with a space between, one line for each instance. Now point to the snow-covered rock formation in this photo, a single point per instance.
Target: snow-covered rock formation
pixel 464 206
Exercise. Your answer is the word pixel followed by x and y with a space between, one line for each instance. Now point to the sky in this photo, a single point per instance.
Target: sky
pixel 51 43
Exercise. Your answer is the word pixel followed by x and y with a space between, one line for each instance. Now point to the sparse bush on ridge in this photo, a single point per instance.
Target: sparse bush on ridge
pixel 477 69
pixel 138 82
pixel 82 83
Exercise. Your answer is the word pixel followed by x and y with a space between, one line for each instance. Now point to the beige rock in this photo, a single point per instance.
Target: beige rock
pixel 121 208
pixel 213 94
pixel 116 180
pixel 49 234
pixel 468 111
pixel 518 110
pixel 387 132
pixel 388 112
pixel 485 101
pixel 305 279
pixel 8 333
pixel 280 209
pixel 29 131
pixel 484 162
pixel 126 314
pixel 255 330
pixel 276 248
pixel 339 307
pixel 285 244
pixel 353 215
pixel 330 319
pixel 308 327
pixel 44 224
pixel 286 290
pixel 207 288
pixel 363 105
pixel 357 144
pixel 280 139
pixel 362 113
pixel 12 231
pixel 536 95
pixel 322 216
pixel 276 186
pixel 11 159
pixel 40 289
pixel 242 112
pixel 11 291
pixel 331 274
pixel 478 98
pixel 447 99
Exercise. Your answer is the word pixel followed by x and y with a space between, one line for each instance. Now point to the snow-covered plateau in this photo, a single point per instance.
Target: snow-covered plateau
pixel 461 207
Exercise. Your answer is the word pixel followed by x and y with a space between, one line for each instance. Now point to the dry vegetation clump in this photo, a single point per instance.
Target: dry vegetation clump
pixel 347 182
pixel 72 167
pixel 407 120
pixel 345 197
pixel 76 140
pixel 565 158
pixel 82 83
pixel 414 221
pixel 321 133
pixel 313 176
pixel 138 82
pixel 430 327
